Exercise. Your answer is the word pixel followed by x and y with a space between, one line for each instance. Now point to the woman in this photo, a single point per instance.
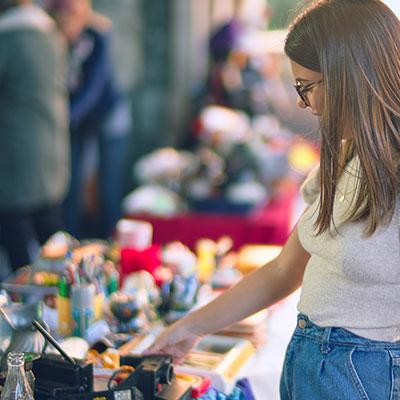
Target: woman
pixel 344 251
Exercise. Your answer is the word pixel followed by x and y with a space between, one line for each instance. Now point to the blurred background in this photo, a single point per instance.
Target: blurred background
pixel 163 60
pixel 192 71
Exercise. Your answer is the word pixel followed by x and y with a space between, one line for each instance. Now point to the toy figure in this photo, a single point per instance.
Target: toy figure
pixel 128 309
pixel 180 293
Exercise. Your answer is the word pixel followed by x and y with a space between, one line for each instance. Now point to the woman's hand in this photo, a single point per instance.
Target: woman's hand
pixel 177 340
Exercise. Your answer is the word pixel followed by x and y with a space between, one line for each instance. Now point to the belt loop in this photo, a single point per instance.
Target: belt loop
pixel 325 349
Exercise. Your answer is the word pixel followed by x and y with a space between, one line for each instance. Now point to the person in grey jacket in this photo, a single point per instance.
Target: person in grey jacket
pixel 34 148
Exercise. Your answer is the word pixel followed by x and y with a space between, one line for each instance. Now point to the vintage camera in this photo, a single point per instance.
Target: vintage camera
pixel 153 375
pixel 152 379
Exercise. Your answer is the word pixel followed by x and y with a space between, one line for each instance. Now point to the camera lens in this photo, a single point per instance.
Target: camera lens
pixel 166 374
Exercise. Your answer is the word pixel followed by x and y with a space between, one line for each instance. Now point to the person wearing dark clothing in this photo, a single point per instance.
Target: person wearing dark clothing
pixel 98 113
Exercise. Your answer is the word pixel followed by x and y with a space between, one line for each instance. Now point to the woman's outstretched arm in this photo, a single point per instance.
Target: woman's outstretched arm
pixel 258 290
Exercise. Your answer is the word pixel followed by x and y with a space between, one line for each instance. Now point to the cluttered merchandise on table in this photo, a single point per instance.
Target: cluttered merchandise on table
pixel 75 323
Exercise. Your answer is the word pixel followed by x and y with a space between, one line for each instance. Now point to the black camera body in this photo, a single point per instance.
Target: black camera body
pixel 114 394
pixel 153 375
pixel 56 377
pixel 152 379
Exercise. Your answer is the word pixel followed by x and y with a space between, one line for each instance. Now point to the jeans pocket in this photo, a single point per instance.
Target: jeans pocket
pixel 395 358
pixel 371 373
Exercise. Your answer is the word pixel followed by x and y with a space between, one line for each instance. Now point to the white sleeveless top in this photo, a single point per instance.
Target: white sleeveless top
pixel 351 281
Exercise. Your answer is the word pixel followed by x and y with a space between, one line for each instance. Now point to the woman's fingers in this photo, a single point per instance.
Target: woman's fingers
pixel 177 347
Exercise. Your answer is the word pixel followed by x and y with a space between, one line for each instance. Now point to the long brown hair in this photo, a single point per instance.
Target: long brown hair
pixel 355 44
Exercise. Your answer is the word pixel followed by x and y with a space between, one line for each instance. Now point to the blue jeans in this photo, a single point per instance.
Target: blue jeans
pixel 333 363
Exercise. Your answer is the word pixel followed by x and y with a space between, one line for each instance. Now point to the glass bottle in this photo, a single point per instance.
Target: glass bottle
pixel 31 379
pixel 16 386
pixel 29 358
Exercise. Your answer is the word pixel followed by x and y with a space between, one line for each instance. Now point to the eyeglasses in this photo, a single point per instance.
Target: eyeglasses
pixel 302 90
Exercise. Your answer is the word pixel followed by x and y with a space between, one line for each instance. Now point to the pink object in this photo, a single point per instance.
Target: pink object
pixel 133 260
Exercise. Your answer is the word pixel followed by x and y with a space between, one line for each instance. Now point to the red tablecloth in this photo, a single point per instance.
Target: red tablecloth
pixel 266 225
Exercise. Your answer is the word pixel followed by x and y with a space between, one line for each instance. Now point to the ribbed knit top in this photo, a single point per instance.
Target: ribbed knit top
pixel 351 281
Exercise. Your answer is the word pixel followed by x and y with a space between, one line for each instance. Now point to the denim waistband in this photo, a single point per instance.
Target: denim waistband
pixel 339 336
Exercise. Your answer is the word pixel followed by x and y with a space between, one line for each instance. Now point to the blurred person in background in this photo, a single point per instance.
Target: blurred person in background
pixel 231 74
pixel 34 148
pixel 99 115
pixel 242 74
